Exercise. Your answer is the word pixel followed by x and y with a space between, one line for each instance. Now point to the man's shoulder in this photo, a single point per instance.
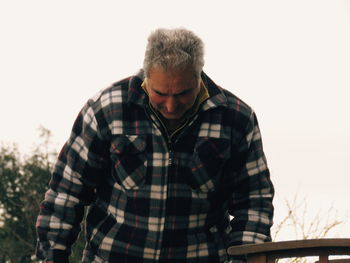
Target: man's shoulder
pixel 233 107
pixel 122 91
pixel 224 97
pixel 236 104
pixel 117 89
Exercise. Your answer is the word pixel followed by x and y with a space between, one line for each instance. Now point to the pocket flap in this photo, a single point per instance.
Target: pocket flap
pixel 128 143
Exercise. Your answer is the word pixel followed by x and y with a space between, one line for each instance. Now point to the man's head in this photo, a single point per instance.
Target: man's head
pixel 172 65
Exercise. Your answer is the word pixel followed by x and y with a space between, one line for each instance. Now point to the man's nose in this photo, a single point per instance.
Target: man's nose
pixel 171 104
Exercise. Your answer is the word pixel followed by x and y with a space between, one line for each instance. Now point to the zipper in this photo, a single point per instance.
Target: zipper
pixel 164 132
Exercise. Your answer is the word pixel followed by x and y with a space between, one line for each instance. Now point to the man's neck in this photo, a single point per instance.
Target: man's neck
pixel 172 125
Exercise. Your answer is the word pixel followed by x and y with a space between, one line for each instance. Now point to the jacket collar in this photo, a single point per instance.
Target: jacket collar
pixel 216 94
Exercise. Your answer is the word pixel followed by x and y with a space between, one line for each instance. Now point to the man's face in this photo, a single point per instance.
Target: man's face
pixel 172 92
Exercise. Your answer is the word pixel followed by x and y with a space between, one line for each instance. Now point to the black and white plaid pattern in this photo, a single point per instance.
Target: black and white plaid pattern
pixel 152 198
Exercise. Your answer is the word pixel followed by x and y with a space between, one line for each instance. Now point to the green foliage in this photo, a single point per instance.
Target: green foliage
pixel 23 182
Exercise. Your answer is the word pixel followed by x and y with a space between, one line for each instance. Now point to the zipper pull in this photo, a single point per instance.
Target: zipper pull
pixel 171 158
pixel 171 152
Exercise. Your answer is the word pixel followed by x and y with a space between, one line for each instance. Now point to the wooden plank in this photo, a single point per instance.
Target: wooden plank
pixel 290 245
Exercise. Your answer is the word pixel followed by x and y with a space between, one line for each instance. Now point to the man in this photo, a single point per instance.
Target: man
pixel 164 160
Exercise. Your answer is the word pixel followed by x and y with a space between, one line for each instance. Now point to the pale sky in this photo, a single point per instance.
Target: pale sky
pixel 289 60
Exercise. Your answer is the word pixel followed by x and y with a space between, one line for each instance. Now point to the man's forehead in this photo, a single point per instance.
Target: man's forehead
pixel 172 73
pixel 169 90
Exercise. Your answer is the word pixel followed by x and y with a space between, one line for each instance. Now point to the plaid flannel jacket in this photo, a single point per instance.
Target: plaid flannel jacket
pixel 153 198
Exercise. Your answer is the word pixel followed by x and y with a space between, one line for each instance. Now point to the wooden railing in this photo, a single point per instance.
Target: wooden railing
pixel 270 251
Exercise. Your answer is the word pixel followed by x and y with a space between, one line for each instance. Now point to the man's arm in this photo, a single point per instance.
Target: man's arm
pixel 71 188
pixel 251 202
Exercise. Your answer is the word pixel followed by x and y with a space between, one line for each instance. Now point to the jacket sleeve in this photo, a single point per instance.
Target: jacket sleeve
pixel 72 186
pixel 251 199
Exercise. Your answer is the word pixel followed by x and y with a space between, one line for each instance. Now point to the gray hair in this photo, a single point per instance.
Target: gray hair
pixel 174 49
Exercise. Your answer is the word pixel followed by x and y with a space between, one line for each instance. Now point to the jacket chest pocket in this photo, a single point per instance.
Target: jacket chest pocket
pixel 209 157
pixel 128 154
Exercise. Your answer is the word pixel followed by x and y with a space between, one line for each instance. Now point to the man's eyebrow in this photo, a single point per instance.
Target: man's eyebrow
pixel 158 92
pixel 183 92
